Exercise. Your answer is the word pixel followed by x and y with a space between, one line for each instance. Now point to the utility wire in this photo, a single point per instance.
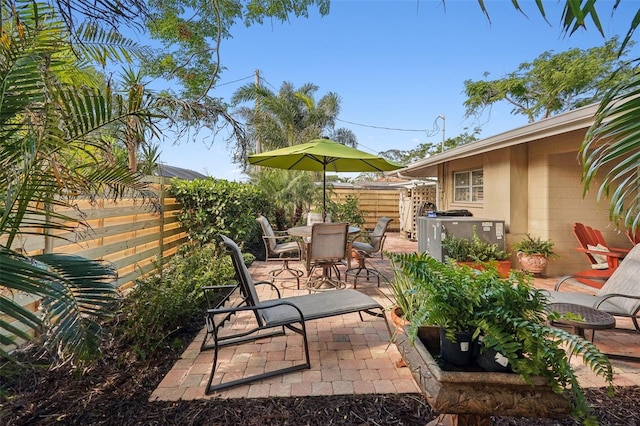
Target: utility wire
pixel 382 127
pixel 429 133
pixel 234 81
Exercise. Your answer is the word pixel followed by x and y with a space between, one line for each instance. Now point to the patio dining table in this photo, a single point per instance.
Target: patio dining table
pixel 304 233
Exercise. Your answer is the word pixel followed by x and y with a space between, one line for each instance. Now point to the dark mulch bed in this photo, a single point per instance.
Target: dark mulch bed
pixel 115 390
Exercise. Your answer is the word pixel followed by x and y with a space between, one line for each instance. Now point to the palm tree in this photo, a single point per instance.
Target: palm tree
pixel 290 117
pixel 289 194
pixel 50 128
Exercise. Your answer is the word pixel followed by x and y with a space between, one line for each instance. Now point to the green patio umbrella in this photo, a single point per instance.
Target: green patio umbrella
pixel 323 155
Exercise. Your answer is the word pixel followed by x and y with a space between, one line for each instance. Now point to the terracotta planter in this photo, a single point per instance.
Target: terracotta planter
pixel 397 319
pixel 534 263
pixel 503 266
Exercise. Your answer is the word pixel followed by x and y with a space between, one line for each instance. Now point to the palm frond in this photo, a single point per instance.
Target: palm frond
pixel 103 46
pixel 613 143
pixel 83 292
pixel 50 129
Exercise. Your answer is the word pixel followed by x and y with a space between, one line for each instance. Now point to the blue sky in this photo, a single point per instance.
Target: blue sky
pixel 395 65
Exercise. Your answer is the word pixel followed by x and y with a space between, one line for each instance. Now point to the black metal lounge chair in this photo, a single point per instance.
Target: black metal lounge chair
pixel 277 314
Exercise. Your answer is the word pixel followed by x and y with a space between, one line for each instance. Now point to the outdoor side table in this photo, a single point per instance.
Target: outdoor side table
pixel 593 318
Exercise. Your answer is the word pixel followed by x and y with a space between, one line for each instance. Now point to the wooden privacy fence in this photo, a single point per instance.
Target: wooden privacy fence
pixel 376 202
pixel 127 232
pixel 133 236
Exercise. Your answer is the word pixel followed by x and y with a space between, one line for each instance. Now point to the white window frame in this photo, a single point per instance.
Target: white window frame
pixel 471 196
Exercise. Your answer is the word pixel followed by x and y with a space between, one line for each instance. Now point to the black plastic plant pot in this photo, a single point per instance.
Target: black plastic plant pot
pixel 457 353
pixel 491 361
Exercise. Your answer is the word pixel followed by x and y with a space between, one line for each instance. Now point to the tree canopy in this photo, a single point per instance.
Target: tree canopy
pixel 191 33
pixel 553 82
pixel 427 149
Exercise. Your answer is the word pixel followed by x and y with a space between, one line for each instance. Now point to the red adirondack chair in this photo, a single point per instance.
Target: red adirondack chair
pixel 604 259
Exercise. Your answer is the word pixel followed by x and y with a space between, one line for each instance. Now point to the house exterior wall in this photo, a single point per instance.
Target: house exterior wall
pixel 536 188
pixel 557 202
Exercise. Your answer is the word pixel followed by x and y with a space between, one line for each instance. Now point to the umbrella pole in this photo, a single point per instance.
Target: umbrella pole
pixel 324 192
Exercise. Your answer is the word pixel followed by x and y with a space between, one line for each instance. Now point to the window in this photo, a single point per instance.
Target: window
pixel 468 186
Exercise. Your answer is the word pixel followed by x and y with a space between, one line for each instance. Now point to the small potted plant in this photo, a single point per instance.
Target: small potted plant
pixel 510 315
pixel 477 253
pixel 534 253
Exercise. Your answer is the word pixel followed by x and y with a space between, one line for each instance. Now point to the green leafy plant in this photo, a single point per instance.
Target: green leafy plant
pixel 404 294
pixel 473 250
pixel 348 211
pixel 509 313
pixel 171 300
pixel 448 295
pixel 530 245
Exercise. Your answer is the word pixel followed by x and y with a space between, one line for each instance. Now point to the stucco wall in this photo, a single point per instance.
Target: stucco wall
pixel 557 202
pixel 504 185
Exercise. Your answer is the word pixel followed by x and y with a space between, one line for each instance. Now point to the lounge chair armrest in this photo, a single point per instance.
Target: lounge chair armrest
pixel 617 255
pixel 215 287
pixel 277 238
pixel 613 258
pixel 364 236
pixel 270 284
pixel 622 251
pixel 576 282
pixel 217 295
pixel 606 297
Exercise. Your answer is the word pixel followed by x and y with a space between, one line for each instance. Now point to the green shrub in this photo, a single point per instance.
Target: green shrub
pixel 348 211
pixel 217 206
pixel 162 304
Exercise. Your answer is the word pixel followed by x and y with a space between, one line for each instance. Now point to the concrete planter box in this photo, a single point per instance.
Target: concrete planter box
pixel 471 397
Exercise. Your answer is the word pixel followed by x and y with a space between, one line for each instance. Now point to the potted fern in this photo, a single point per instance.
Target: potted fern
pixel 509 314
pixel 534 253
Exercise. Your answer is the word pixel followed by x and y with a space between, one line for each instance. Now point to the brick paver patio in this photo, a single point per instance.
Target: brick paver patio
pixel 348 356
